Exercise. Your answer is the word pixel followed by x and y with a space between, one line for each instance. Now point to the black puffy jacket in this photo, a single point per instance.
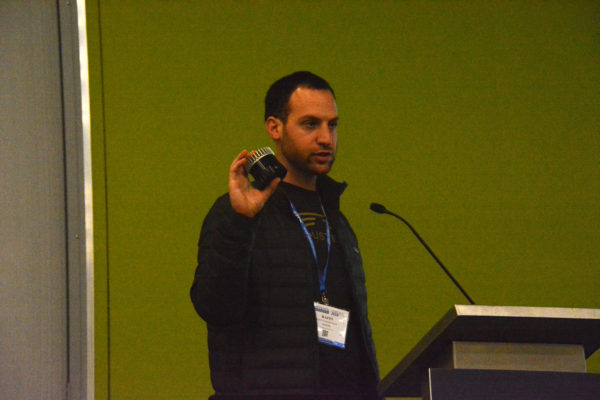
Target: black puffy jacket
pixel 255 292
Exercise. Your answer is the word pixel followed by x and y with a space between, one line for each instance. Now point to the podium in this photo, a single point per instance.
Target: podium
pixel 501 353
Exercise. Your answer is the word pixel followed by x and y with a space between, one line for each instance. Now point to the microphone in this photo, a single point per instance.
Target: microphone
pixel 380 209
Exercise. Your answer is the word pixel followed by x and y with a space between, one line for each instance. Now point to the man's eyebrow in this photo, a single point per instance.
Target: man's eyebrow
pixel 311 116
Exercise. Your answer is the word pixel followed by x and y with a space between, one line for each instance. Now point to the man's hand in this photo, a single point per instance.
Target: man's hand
pixel 246 199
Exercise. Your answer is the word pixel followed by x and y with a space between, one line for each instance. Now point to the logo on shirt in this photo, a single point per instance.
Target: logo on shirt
pixel 315 223
pixel 310 219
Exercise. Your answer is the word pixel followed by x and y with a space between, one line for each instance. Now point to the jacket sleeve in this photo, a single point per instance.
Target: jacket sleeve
pixel 358 276
pixel 220 287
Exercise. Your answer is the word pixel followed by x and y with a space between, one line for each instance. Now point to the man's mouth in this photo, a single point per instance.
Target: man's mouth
pixel 323 156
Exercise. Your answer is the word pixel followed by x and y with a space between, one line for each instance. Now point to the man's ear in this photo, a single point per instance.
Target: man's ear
pixel 274 128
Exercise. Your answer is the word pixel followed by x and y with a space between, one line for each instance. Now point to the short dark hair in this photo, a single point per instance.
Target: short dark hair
pixel 278 96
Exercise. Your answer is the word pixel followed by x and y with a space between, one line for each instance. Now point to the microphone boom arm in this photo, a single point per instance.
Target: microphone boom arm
pixel 381 209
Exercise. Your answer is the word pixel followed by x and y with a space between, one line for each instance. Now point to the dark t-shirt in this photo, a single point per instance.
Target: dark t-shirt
pixel 341 370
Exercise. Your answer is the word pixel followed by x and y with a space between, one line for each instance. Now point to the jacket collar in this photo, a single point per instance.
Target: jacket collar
pixel 328 187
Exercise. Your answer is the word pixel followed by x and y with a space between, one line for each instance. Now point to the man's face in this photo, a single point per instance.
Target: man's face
pixel 309 136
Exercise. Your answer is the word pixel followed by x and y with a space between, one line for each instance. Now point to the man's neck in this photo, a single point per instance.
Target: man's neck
pixel 297 177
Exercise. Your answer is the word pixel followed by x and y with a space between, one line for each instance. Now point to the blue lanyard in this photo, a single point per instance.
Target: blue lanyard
pixel 323 275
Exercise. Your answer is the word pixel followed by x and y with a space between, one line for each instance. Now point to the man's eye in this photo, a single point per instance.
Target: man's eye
pixel 311 124
pixel 333 125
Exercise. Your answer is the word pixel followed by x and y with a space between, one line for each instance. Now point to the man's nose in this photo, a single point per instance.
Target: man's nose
pixel 325 135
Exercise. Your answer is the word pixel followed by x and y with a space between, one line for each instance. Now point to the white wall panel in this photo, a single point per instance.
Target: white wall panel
pixel 33 265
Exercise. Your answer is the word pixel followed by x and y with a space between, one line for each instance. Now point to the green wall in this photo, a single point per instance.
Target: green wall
pixel 475 120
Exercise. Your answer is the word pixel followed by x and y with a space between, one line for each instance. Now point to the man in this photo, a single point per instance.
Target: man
pixel 275 265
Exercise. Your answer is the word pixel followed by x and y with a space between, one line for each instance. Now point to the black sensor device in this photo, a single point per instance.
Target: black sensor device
pixel 264 167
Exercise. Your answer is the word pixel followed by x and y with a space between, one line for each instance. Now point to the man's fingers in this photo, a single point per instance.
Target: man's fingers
pixel 238 161
pixel 244 198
